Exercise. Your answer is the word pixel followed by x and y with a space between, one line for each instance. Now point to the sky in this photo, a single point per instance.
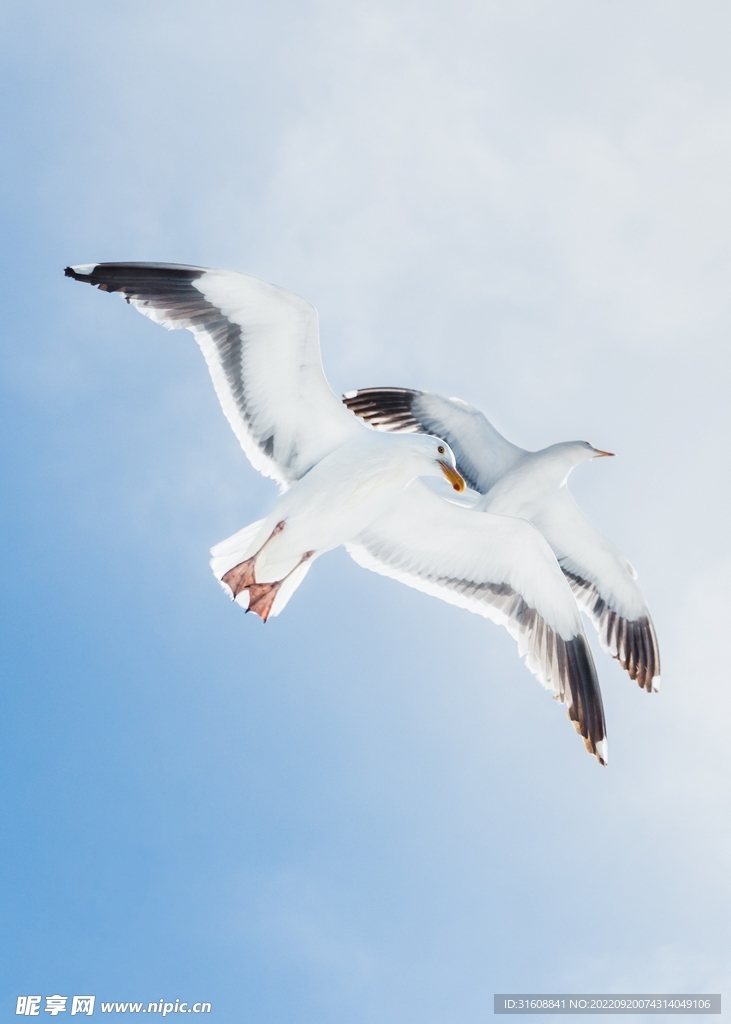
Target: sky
pixel 366 810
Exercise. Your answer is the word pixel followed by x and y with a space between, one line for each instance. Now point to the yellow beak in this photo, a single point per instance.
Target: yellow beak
pixel 600 454
pixel 453 476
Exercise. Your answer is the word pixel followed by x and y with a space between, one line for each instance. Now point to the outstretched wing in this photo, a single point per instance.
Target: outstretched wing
pixel 501 568
pixel 262 347
pixel 605 584
pixel 481 451
pixel 603 581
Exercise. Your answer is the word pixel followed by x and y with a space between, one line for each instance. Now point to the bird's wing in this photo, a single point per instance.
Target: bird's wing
pixel 605 584
pixel 481 451
pixel 632 641
pixel 501 568
pixel 262 347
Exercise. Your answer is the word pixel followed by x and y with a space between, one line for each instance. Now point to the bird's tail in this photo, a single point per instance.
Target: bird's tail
pixel 242 545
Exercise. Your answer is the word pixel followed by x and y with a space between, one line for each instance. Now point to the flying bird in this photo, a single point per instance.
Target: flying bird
pixel 533 486
pixel 343 483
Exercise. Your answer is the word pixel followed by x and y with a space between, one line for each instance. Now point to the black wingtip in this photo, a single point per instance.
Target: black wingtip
pixel 586 710
pixel 137 280
pixel 385 408
pixel 84 272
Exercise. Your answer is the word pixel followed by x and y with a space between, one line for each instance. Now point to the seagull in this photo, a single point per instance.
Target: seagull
pixel 342 483
pixel 511 481
pixel 262 348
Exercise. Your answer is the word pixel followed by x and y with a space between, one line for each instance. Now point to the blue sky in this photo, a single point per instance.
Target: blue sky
pixel 367 810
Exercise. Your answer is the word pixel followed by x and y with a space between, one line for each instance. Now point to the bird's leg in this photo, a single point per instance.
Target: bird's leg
pixel 261 595
pixel 242 575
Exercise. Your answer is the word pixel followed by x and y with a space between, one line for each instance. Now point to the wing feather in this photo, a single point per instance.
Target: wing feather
pixel 633 642
pixel 261 344
pixel 605 585
pixel 500 568
pixel 481 451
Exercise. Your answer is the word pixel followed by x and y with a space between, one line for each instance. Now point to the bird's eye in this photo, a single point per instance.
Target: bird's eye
pixel 441 449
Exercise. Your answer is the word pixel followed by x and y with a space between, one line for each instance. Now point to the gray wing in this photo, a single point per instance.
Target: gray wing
pixel 481 451
pixel 262 347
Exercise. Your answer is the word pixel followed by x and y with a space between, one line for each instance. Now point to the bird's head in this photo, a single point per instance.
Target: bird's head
pixel 437 459
pixel 573 453
pixel 557 461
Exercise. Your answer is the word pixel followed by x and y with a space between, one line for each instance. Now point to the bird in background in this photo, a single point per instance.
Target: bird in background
pixel 511 481
pixel 343 483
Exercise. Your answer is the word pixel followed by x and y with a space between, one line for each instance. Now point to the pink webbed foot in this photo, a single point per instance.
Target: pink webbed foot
pixel 240 577
pixel 261 595
pixel 243 575
pixel 261 598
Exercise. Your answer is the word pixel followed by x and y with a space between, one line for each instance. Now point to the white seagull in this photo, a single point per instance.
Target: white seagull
pixel 344 483
pixel 533 486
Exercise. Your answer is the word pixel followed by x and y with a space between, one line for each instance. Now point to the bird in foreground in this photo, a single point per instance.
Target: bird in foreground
pixel 511 481
pixel 344 483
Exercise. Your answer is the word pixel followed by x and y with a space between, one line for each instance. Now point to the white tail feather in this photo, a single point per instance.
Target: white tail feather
pixel 228 553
